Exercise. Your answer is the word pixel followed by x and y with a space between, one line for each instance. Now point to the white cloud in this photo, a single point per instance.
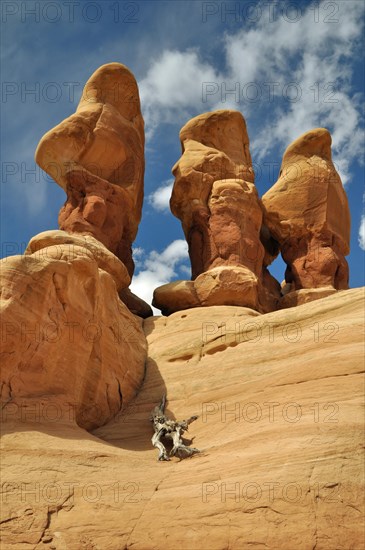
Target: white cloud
pixel 311 58
pixel 362 232
pixel 316 57
pixel 159 269
pixel 138 254
pixel 306 51
pixel 172 87
pixel 160 199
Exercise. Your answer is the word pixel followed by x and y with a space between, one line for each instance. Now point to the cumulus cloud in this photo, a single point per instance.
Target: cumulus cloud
pixel 159 268
pixel 160 199
pixel 294 76
pixel 312 72
pixel 362 232
pixel 138 255
pixel 172 87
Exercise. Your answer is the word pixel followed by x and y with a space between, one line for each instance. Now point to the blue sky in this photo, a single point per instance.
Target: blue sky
pixel 287 66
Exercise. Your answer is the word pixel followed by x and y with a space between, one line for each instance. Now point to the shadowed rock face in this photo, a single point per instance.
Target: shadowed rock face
pixel 97 156
pixel 307 213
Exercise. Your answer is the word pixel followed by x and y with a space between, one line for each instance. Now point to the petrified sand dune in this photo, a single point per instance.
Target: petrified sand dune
pixel 279 429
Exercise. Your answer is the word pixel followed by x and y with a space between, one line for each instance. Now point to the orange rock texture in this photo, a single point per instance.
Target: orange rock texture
pixel 233 236
pixel 307 212
pixel 216 200
pixel 97 156
pixel 279 429
pixel 68 341
pixel 277 389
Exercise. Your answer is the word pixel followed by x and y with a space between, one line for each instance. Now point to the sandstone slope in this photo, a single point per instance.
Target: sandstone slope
pixel 279 398
pixel 68 342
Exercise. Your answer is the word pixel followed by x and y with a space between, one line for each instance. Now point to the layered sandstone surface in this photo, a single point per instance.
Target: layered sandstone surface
pixel 279 398
pixel 69 344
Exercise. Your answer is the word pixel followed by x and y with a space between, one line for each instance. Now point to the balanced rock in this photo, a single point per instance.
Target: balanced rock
pixel 71 348
pixel 307 212
pixel 97 156
pixel 216 200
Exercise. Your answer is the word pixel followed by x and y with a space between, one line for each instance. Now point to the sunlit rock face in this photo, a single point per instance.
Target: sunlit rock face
pixel 97 156
pixel 69 344
pixel 307 212
pixel 280 431
pixel 277 404
pixel 216 200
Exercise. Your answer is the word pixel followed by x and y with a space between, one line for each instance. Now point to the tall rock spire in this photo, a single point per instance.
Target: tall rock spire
pixel 307 212
pixel 97 156
pixel 216 200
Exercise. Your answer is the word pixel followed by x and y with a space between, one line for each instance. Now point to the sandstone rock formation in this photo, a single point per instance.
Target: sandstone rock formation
pixel 69 345
pixel 307 213
pixel 56 244
pixel 214 195
pixel 215 198
pixel 105 260
pixel 280 430
pixel 97 156
pixel 275 398
pixel 135 304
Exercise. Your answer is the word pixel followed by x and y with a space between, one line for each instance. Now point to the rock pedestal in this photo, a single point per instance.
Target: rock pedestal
pixel 97 156
pixel 215 198
pixel 214 189
pixel 307 213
